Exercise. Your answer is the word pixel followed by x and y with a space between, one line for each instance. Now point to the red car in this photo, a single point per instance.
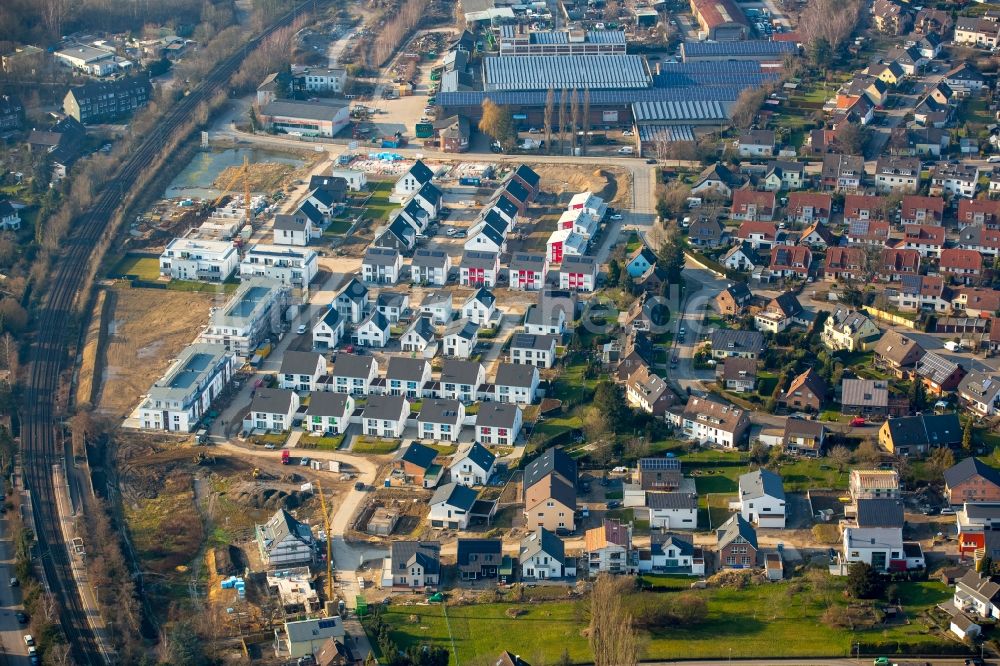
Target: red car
pixel 857 421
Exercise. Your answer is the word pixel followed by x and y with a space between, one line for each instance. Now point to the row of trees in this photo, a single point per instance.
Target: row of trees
pixel 561 122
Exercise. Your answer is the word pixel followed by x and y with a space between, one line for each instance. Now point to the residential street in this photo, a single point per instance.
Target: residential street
pixel 12 649
pixel 703 286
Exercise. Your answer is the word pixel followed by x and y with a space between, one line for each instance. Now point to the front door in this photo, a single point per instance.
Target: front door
pixel 878 561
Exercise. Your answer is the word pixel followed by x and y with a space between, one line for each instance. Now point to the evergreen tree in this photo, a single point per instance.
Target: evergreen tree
pixel 967 437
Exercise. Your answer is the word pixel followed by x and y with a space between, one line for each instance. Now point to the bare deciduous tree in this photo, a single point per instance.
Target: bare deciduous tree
pixel 562 119
pixel 550 101
pixel 574 123
pixel 746 106
pixel 586 118
pixel 832 21
pixel 612 637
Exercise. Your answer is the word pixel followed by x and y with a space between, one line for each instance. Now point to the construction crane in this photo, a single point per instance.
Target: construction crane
pixel 242 173
pixel 329 549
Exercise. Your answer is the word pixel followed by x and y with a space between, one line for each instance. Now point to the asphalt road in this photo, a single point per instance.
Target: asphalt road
pixel 703 286
pixel 12 648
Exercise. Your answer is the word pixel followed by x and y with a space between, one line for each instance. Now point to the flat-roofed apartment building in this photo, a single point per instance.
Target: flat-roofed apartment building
pixel 202 260
pixel 252 315
pixel 178 400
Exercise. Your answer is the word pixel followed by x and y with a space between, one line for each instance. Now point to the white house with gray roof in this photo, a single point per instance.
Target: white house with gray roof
pixel 438 306
pixel 498 423
pixel 385 416
pixel 328 330
pixel 430 267
pixel 373 331
pixel 517 383
pixel 306 638
pixel 381 265
pixel 392 305
pixel 300 370
pixel 461 380
pixel 536 350
pixel 672 510
pixel 412 565
pixel 480 307
pixel 419 337
pixel 762 499
pixel 328 413
pixel 407 376
pixel 451 506
pixel 440 420
pixel 283 541
pixel 474 466
pixel 292 229
pixel 353 374
pixel 179 399
pixel 460 338
pixel 543 557
pixel 411 181
pixel 272 409
pixel 479 269
pixel 353 302
pixel 545 318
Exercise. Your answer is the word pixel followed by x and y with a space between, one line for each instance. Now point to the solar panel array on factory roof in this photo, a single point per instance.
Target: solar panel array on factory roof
pixel 504 73
pixel 597 97
pixel 666 133
pixel 679 110
pixel 748 49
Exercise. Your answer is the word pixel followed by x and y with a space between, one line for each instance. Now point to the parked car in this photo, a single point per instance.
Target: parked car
pixel 614 504
pixel 616 216
pixel 29 640
pixel 301 329
pixel 270 446
pixel 21 618
pixel 857 421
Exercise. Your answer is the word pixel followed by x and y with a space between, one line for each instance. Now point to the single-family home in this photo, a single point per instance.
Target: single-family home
pixel 727 343
pixel 737 374
pixel 762 498
pixel 971 481
pixel 549 488
pixel 865 397
pixel 412 564
pixel 393 305
pixel 294 229
pixel 897 354
pixel 381 265
pixel 438 306
pixel 806 392
pixel 328 413
pixel 756 143
pixel 874 484
pixel 418 336
pixel 784 175
pixel 808 207
pixel 672 553
pixel 760 235
pixel 328 330
pixel 300 370
pixel 272 409
pixel 461 379
pixel 707 232
pixel 385 416
pixel 415 466
pixel 736 543
pixel 440 419
pixel 353 374
pixel 980 393
pixel 517 383
pixel 940 374
pixel 848 330
pixel 478 559
pixel 407 377
pixel 916 435
pixel 845 264
pixel 672 510
pixel 283 541
pixel 752 206
pixel 480 307
pixel 474 466
pixel 733 300
pixel 430 267
pixel 640 261
pixel 353 302
pixel 531 349
pixel 804 437
pixel 479 269
pixel 374 331
pixel 708 421
pixel 412 180
pixel 460 338
pixel 542 556
pixel 498 423
pixel 842 172
pixel 608 549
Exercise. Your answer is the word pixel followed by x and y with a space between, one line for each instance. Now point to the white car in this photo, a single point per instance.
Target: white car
pixel 626 150
pixel 451 231
pixel 29 640
pixel 301 329
pixel 616 216
pixel 627 133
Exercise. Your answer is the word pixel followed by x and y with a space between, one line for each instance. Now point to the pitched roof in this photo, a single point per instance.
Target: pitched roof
pixel 809 381
pixel 419 455
pixel 381 256
pixel 879 512
pixel 612 532
pixel 425 553
pixel 480 455
pixel 430 258
pixel 421 172
pixel 936 368
pixel 456 495
pixel 761 483
pixel 968 468
pixel 662 500
pixel 272 401
pixel 497 414
pixel 897 348
pixel 456 371
pixel 478 259
pixel 439 410
pixel 542 541
pixel 735 527
pixel 554 460
pixel 281 526
pixel 515 374
pixel 326 403
pixel 485 547
pixel 925 430
pixel 463 328
pixel 533 341
pixel 384 407
pixel 733 340
pixel 301 363
pixel 406 369
pixel 865 392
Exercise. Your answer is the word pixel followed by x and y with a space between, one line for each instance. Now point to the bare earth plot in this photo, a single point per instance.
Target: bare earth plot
pixel 146 328
pixel 612 184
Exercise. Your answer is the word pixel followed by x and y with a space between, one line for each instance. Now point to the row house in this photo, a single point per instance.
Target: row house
pixel 578 273
pixel 842 172
pixel 984 212
pixel 808 207
pixel 527 271
pixel 430 267
pixel 868 232
pixel 897 174
pixel 479 269
pixel 984 240
pixel 922 210
pixel 921 292
pixel 760 235
pixel 788 262
pixel 965 80
pixel 845 263
pixel 975 301
pixel 784 175
pixel 926 239
pixel 381 265
pixel 976 31
pixel 818 236
pixel 863 207
pixel 437 305
pixel 964 265
pixel 754 206
pixel 896 262
pixel 564 243
pixel 957 180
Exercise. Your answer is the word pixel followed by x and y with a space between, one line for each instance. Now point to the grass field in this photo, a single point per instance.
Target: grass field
pixel 145 268
pixel 375 446
pixel 775 620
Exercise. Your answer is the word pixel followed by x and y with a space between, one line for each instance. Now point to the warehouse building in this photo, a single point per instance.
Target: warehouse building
pixel 760 50
pixel 720 20
pixel 517 40
pixel 321 118
pixel 507 73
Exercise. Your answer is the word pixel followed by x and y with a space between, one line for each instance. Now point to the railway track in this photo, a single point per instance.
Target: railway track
pixel 42 444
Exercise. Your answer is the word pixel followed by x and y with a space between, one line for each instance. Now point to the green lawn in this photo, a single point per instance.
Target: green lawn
pixel 766 381
pixel 145 268
pixel 337 227
pixel 803 474
pixel 321 443
pixel 378 206
pixel 773 620
pixel 378 447
pixel 567 386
